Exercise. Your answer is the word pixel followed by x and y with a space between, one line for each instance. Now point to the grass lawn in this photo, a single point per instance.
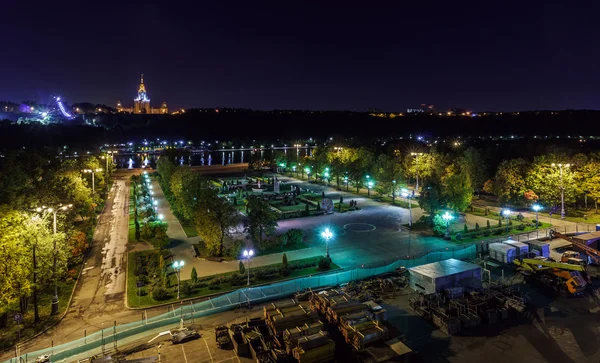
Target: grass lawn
pixel 513 231
pixel 9 334
pixel 145 301
pixel 287 208
pixel 286 248
pixel 189 230
pixel 577 216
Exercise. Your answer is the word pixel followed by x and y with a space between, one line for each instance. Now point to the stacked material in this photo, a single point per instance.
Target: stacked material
pixel 348 332
pixel 291 336
pixel 335 312
pixel 314 348
pixel 389 351
pixel 368 335
pixel 324 299
pixel 279 324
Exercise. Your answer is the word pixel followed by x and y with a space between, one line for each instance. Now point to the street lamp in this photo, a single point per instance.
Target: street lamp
pixel 369 186
pixel 54 212
pixel 407 195
pixel 177 265
pixel 161 217
pixel 416 155
pixel 393 192
pixel 327 234
pixel 346 181
pixel 536 208
pixel 326 175
pixel 562 188
pixel 506 213
pixel 247 254
pixel 447 217
pixel 108 152
pixel 93 171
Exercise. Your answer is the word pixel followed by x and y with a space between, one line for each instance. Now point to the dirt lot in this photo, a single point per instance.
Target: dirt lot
pixel 555 329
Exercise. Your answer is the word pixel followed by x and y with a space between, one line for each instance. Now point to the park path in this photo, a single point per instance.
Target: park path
pixel 99 297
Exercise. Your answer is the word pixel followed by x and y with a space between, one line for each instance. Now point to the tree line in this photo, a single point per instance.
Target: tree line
pixel 36 186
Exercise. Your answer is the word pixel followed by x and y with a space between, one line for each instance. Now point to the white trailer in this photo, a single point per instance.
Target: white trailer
pixel 522 248
pixel 540 248
pixel 437 276
pixel 502 252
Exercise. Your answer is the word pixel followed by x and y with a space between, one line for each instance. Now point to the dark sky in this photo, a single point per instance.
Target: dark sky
pixel 533 55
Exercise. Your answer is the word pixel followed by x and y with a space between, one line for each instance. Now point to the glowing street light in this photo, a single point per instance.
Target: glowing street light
pixel 327 235
pixel 447 217
pixel 407 195
pixel 177 265
pixel 93 171
pixel 562 188
pixel 346 181
pixel 369 186
pixel 537 208
pixel 506 213
pixel 247 255
pixel 161 217
pixel 54 212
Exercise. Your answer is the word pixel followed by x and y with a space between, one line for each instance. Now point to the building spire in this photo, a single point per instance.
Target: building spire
pixel 142 79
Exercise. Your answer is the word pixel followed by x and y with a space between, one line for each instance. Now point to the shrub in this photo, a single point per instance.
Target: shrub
pixel 500 222
pixel 510 223
pixel 324 263
pixel 235 250
pixel 284 271
pixel 142 291
pixel 466 229
pixel 295 236
pixel 488 224
pixel 187 288
pixel 306 210
pixel 284 261
pixel 521 227
pixel 160 293
pixel 476 226
pixel 520 217
pixel 498 231
pixel 487 232
pixel 242 268
pixel 194 276
pixel 283 239
pixel 459 236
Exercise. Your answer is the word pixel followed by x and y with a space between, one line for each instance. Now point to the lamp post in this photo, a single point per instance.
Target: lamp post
pixel 506 213
pixel 562 188
pixel 93 171
pixel 247 254
pixel 416 155
pixel 307 170
pixel 108 152
pixel 54 212
pixel 536 208
pixel 369 186
pixel 407 195
pixel 393 192
pixel 326 175
pixel 346 181
pixel 177 265
pixel 327 235
pixel 447 217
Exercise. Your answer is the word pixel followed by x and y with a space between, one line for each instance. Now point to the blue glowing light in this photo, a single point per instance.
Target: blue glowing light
pixel 62 109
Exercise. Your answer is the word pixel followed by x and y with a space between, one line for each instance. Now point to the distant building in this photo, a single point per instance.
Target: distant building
pixel 141 104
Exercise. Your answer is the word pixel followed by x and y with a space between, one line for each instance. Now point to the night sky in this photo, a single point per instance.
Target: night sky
pixel 534 55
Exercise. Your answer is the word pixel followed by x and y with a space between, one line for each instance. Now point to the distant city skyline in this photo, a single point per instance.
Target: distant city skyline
pixel 392 58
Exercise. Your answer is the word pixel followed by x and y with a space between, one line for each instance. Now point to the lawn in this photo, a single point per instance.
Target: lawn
pixel 9 334
pixel 513 231
pixel 189 230
pixel 287 208
pixel 206 288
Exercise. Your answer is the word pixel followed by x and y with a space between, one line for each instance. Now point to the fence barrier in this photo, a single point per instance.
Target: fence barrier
pixel 97 342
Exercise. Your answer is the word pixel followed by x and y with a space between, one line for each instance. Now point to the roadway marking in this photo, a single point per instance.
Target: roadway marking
pixel 183 350
pixel 208 350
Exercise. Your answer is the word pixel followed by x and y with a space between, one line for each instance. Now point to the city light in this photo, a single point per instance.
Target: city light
pixel 327 235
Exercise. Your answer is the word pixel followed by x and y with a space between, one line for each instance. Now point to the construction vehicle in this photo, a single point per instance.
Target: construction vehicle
pixel 593 254
pixel 565 278
pixel 572 257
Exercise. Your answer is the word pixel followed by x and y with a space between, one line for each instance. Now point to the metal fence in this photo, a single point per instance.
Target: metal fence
pixel 108 338
pixel 483 246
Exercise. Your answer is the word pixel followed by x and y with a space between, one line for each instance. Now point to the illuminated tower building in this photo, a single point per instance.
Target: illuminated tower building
pixel 141 102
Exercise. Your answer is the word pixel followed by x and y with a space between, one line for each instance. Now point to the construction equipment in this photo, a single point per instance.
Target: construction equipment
pixel 591 252
pixel 562 277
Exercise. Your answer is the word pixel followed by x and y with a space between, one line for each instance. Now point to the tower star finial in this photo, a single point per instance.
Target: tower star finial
pixel 142 77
